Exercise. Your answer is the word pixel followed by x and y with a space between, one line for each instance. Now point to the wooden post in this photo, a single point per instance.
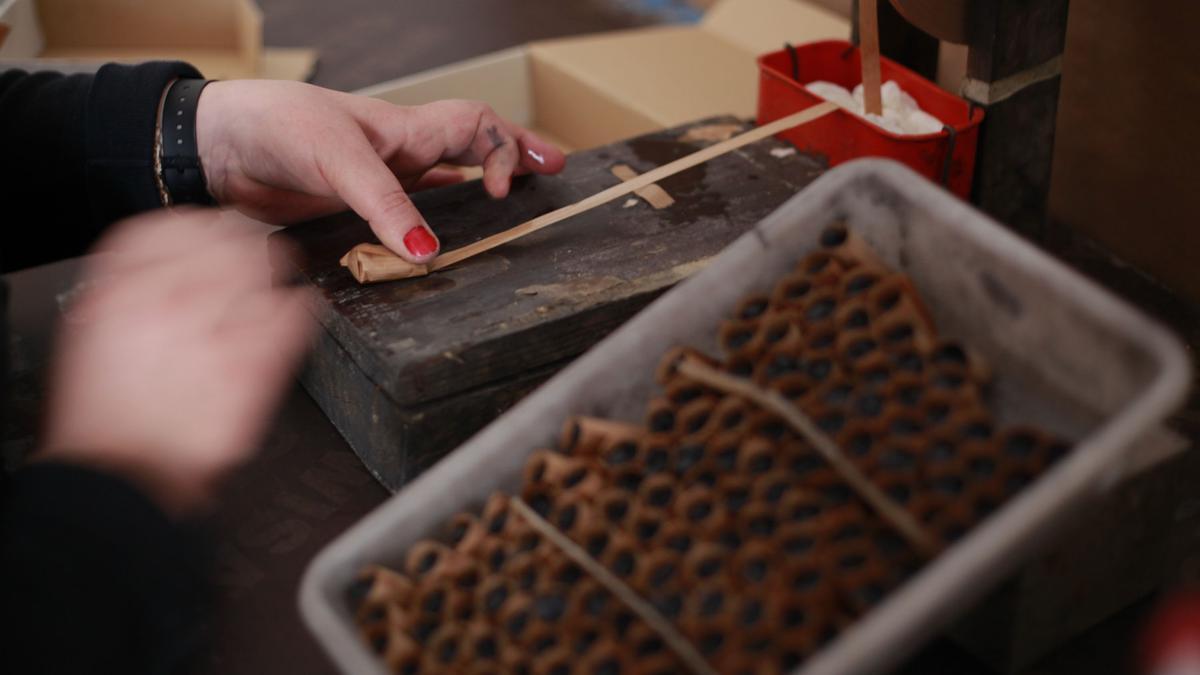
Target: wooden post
pixel 868 35
pixel 1013 68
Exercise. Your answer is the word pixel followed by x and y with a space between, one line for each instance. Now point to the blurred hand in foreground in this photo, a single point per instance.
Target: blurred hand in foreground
pixel 174 356
pixel 286 151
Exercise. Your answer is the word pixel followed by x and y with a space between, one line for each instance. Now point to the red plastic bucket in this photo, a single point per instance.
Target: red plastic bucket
pixel 946 157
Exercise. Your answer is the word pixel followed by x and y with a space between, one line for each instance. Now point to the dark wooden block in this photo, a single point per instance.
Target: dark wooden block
pixel 407 370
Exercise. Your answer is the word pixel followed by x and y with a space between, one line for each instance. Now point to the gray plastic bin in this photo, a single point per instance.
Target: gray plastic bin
pixel 1067 355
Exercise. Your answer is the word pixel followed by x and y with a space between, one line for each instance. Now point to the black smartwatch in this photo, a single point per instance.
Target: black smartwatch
pixel 182 175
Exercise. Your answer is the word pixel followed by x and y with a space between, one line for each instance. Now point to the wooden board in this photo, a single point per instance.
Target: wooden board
pixel 408 369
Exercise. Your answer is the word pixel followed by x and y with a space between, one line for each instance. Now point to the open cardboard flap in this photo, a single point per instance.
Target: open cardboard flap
pixel 223 38
pixel 586 91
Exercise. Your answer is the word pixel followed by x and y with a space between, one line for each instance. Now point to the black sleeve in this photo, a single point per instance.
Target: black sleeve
pixel 77 154
pixel 94 578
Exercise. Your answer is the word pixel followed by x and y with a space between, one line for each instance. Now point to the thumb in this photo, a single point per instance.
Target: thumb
pixel 361 179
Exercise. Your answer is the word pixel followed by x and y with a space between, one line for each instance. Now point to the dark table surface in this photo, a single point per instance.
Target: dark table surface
pixel 306 486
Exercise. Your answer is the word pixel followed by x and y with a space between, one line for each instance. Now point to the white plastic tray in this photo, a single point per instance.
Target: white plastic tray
pixel 1067 355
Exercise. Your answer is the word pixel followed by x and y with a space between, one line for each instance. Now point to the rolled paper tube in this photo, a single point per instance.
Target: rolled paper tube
pixel 654 453
pixel 757 455
pixel 525 569
pixel 954 521
pixel 854 251
pixel 796 540
pixel 752 307
pixel 661 417
pixel 926 504
pixel 659 570
pixel 370 263
pixel 445 649
pixel 954 383
pixel 573 513
pixel 833 392
pixel 781 327
pixel 641 643
pixel 687 456
pixel 384 586
pixel 540 497
pixel 714 639
pixel 794 386
pixel 947 480
pixel 563 571
pixel 753 565
pixel 893 298
pixel 857 282
pixel 401 653
pixel 758 520
pixel 821 366
pixel 898 331
pixel 829 419
pixel 485 668
pixel 674 535
pixel 861 437
pixel 856 562
pixel 970 424
pixel 705 563
pixel 467 534
pixel 769 488
pixel 899 422
pixel 790 291
pixel 595 537
pixel 852 313
pixel 740 366
pixel 696 419
pixel 956 355
pixel 428 558
pixel 589 436
pixel 621 557
pixel 514 657
pixel 730 412
pixel 431 600
pixel 908 389
pixel 722 450
pixel 604 657
pixel 389 617
pixel 817 315
pixel 565 474
pixel 821 268
pixel 554 661
pixel 491 594
pixel 614 506
pixel 646 521
pixel 800 504
pixel 779 361
pixel 754 644
pixel 515 618
pixel 901 487
pixel 466 576
pixel 496 519
pixel 739 337
pixel 666 369
pixel 906 359
pixel 681 390
pixel 658 491
pixel 766 426
pixel 698 507
pixel 588 601
pixel 858 350
pixel 629 477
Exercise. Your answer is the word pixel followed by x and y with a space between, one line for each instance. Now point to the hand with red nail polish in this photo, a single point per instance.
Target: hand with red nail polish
pixel 286 151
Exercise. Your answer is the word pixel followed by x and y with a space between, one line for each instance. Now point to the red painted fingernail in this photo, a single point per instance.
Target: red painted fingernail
pixel 419 241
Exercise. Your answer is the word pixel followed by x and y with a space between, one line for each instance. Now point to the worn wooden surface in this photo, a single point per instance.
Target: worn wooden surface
pixel 401 357
pixel 1016 140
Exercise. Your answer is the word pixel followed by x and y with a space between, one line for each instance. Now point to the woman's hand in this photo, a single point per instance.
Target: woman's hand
pixel 286 151
pixel 173 359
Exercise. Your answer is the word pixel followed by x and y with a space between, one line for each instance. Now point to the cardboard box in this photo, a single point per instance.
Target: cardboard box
pixel 1124 171
pixel 582 92
pixel 223 38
